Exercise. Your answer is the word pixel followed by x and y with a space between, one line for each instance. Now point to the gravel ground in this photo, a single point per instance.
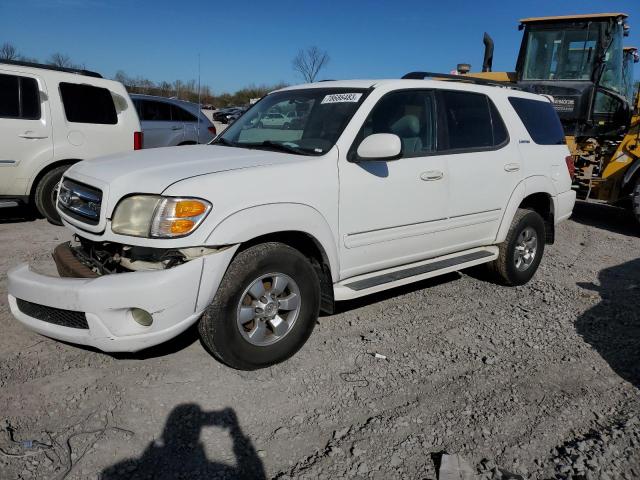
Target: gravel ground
pixel 539 381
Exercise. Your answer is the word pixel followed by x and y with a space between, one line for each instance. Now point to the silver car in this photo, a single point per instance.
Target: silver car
pixel 167 122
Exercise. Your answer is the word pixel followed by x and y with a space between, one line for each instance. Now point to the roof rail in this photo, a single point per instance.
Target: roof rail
pixel 457 78
pixel 79 71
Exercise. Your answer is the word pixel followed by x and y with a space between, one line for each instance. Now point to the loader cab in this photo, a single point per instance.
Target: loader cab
pixel 630 58
pixel 579 61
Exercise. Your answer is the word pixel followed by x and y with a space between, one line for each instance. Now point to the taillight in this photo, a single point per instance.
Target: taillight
pixel 212 129
pixel 137 140
pixel 570 166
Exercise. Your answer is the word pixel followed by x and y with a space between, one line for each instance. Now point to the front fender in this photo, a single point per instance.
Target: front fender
pixel 262 220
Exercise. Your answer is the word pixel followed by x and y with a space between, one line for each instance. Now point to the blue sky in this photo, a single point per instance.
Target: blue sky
pixel 245 42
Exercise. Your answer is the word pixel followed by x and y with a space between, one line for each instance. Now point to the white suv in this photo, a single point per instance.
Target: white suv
pixel 384 183
pixel 51 118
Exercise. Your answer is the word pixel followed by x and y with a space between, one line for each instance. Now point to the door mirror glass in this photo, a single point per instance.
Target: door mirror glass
pixel 380 146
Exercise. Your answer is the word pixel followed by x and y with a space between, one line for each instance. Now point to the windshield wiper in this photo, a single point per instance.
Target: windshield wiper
pixel 225 142
pixel 282 147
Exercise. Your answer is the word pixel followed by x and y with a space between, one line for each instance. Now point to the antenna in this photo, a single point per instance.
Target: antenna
pixel 199 106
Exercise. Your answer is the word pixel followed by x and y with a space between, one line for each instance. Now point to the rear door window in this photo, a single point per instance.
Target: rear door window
pixel 181 115
pixel 155 111
pixel 88 104
pixel 472 122
pixel 540 119
pixel 19 97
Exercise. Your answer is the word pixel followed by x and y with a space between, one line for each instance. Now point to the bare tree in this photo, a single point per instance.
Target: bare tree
pixel 8 52
pixel 61 60
pixel 309 62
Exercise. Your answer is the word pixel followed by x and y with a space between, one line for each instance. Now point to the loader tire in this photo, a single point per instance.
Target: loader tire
pixel 635 199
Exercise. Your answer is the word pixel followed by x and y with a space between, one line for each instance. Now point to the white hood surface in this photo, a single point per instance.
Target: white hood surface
pixel 154 170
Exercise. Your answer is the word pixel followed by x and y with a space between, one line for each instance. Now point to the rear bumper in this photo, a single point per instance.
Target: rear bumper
pixel 564 203
pixel 175 298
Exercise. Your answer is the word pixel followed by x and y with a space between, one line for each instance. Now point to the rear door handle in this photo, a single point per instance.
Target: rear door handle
pixel 431 175
pixel 32 134
pixel 512 167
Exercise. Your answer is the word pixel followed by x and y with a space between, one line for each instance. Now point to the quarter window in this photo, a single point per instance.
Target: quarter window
pixel 410 115
pixel 472 121
pixel 540 119
pixel 19 97
pixel 88 104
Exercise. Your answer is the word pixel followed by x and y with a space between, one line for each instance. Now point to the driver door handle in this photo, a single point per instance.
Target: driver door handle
pixel 32 134
pixel 512 167
pixel 431 175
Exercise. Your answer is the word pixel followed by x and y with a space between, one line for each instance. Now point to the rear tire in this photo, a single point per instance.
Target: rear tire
pixel 240 326
pixel 46 195
pixel 520 254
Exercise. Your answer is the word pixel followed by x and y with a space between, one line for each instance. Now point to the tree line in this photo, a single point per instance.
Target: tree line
pixel 307 63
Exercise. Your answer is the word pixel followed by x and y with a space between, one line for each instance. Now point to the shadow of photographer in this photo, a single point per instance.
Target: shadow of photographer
pixel 181 454
pixel 612 327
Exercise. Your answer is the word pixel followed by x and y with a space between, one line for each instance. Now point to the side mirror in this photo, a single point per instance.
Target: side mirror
pixel 380 146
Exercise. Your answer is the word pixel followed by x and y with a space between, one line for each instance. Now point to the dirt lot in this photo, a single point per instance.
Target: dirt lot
pixel 541 380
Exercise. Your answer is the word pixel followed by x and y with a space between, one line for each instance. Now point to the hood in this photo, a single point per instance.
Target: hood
pixel 153 170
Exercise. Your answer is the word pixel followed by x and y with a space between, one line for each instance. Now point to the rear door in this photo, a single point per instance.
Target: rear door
pixel 160 130
pixel 189 123
pixel 484 166
pixel 25 130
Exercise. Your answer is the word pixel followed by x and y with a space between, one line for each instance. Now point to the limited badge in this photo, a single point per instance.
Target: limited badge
pixel 341 98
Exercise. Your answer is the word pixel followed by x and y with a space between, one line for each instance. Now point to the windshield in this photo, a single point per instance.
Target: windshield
pixel 561 54
pixel 305 122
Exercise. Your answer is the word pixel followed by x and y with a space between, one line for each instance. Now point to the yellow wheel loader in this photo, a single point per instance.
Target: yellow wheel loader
pixel 580 61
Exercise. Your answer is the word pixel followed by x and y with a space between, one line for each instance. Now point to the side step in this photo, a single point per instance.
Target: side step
pixel 8 203
pixel 366 284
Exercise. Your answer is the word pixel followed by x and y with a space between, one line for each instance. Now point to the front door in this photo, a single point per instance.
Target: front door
pixel 394 212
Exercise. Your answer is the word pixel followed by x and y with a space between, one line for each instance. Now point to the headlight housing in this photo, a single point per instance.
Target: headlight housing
pixel 154 216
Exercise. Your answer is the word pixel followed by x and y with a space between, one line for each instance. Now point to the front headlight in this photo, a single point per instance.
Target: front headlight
pixel 158 217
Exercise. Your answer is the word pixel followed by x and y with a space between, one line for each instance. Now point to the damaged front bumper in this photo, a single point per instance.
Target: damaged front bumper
pixel 175 297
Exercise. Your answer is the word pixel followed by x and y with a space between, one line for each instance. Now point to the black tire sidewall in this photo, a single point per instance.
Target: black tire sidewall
pixel 43 194
pixel 229 344
pixel 533 220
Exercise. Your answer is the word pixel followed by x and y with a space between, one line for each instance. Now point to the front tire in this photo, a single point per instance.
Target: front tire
pixel 520 254
pixel 46 195
pixel 265 308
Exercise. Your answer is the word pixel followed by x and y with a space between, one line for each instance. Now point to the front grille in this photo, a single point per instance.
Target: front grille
pixel 57 316
pixel 80 201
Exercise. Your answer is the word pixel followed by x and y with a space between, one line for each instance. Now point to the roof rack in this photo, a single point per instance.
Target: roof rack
pixel 457 78
pixel 79 71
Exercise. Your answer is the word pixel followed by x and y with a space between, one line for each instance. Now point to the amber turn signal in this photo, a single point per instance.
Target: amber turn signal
pixel 189 208
pixel 179 227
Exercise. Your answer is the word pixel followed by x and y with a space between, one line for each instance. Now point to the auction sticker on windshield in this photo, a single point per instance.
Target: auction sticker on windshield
pixel 341 97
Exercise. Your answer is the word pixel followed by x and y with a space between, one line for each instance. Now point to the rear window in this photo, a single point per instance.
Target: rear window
pixel 540 119
pixel 19 97
pixel 88 104
pixel 472 121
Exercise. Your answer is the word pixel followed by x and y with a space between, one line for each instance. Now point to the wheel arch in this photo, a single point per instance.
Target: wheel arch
pixel 46 169
pixel 296 225
pixel 534 193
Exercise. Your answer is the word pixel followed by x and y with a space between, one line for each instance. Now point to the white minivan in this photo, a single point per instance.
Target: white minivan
pixel 51 118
